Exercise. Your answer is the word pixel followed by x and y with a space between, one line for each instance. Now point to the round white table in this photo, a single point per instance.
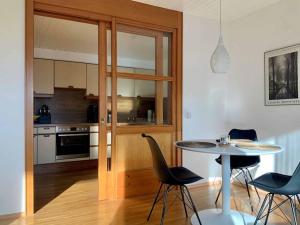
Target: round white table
pixel 225 215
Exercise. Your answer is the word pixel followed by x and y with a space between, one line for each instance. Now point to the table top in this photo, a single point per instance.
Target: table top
pixel 230 149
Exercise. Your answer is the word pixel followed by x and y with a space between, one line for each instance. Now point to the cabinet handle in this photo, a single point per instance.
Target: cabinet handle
pixel 46 135
pixel 46 128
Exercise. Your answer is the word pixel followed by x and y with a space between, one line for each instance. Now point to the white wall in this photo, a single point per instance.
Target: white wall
pixel 204 93
pixel 219 103
pixel 247 40
pixel 12 17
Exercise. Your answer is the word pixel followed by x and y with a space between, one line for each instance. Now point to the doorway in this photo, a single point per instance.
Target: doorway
pixel 71 115
pixel 154 97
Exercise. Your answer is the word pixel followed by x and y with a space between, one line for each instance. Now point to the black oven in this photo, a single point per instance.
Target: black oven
pixel 72 142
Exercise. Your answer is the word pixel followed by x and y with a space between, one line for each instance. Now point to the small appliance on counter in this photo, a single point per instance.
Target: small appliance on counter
pixel 44 115
pixel 92 114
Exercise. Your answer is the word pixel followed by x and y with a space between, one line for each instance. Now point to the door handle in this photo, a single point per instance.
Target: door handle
pixel 102 121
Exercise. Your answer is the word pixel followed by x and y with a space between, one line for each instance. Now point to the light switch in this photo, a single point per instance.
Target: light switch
pixel 188 115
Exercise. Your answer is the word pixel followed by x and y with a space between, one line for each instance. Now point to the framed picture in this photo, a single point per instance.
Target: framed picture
pixel 282 76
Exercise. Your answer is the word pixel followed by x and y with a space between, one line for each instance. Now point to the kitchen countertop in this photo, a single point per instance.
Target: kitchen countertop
pixel 91 124
pixel 64 124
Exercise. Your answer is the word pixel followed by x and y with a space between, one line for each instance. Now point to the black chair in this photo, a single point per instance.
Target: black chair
pixel 242 163
pixel 278 184
pixel 170 178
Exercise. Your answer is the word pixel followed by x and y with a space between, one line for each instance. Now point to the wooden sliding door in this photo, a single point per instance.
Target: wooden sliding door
pixel 143 101
pixel 140 73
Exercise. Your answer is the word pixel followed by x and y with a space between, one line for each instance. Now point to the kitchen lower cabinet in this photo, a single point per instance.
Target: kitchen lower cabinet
pixel 46 146
pixel 94 152
pixel 94 139
pixel 35 147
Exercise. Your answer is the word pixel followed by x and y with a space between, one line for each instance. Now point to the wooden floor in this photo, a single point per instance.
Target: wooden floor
pixel 71 199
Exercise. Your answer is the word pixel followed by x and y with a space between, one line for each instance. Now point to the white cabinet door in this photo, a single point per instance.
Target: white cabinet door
pixel 94 139
pixel 94 152
pixel 125 87
pixel 43 76
pixel 35 149
pixel 92 79
pixel 70 74
pixel 144 88
pixel 46 148
pixel 108 86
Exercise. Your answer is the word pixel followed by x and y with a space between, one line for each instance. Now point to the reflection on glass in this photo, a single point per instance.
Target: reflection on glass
pixel 108 47
pixel 108 151
pixel 167 54
pixel 135 53
pixel 136 101
pixel 108 99
pixel 167 101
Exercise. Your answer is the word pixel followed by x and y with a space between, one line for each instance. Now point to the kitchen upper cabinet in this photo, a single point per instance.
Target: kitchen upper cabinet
pixel 92 80
pixel 144 88
pixel 43 76
pixel 70 74
pixel 125 87
pixel 46 148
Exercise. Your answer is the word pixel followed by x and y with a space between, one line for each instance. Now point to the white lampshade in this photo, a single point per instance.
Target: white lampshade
pixel 220 60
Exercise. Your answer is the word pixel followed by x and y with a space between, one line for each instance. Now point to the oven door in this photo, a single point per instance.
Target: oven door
pixel 72 145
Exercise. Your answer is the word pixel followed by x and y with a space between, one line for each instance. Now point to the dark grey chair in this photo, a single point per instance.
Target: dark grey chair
pixel 278 184
pixel 242 163
pixel 170 178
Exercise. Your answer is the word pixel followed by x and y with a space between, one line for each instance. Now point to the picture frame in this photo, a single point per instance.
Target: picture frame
pixel 282 86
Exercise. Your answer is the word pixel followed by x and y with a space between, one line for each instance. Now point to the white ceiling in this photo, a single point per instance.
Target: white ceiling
pixel 65 35
pixel 232 9
pixel 70 36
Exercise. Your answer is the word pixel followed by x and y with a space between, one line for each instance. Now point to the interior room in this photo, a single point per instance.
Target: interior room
pixel 150 112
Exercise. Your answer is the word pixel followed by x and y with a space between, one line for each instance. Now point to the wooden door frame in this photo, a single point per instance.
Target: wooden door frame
pixel 100 11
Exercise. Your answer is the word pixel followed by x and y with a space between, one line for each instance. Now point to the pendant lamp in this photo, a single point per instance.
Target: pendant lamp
pixel 220 60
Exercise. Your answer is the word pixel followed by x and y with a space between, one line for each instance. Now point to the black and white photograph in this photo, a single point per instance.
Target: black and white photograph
pixel 281 75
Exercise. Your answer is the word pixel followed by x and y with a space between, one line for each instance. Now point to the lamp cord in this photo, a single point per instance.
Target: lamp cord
pixel 220 17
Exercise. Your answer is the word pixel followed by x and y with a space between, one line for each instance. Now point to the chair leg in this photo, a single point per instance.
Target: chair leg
pixel 193 204
pixel 261 210
pixel 246 182
pixel 155 201
pixel 251 178
pixel 182 196
pixel 270 207
pixel 293 206
pixel 216 202
pixel 165 200
pixel 298 198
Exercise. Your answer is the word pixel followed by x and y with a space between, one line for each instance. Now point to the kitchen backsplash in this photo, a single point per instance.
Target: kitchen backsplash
pixel 66 105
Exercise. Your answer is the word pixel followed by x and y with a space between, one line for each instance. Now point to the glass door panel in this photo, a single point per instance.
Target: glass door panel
pixel 135 51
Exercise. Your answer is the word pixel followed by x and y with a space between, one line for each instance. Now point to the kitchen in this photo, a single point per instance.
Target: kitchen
pixel 66 99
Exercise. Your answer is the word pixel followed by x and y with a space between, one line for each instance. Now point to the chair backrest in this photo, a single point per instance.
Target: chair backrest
pixel 244 161
pixel 293 186
pixel 159 163
pixel 243 134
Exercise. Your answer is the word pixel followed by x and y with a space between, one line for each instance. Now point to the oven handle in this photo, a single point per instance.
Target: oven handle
pixel 70 135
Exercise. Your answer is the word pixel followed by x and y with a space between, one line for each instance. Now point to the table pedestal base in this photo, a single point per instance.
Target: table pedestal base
pixel 216 217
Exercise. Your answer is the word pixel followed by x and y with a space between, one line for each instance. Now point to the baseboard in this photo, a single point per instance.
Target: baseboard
pixel 216 181
pixel 12 216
